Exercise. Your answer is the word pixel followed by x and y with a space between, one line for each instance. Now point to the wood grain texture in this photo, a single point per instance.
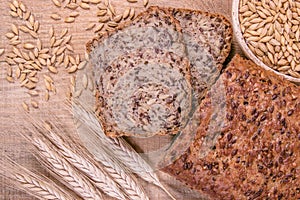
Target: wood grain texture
pixel 11 94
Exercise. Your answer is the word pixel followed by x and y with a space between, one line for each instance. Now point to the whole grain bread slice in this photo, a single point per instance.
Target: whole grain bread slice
pixel 154 28
pixel 144 93
pixel 256 152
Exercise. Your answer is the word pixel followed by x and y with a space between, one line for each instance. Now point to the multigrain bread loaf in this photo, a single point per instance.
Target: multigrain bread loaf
pixel 256 155
pixel 207 37
pixel 146 92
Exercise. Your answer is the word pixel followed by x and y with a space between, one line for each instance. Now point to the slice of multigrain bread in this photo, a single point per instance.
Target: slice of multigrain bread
pixel 256 155
pixel 144 93
pixel 154 28
pixel 204 34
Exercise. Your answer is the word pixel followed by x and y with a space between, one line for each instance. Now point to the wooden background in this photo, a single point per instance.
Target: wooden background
pixel 11 94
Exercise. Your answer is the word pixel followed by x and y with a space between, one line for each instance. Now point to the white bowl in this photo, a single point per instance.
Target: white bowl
pixel 246 49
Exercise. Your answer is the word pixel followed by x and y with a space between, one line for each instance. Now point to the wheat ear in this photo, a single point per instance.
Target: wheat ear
pixel 58 165
pixel 130 186
pixel 74 153
pixel 38 186
pixel 116 170
pixel 119 147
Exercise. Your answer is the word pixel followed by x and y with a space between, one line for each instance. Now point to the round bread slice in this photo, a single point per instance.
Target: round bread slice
pixel 144 93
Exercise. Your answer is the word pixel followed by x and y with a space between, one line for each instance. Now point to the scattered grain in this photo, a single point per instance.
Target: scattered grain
pixel 99 27
pixel 84 5
pixel 25 106
pixel 95 1
pixel 82 65
pixel 33 93
pixel 84 81
pixel 9 35
pixel 132 13
pixel 90 26
pixel 56 3
pixel 104 19
pixel 52 69
pixel 72 69
pixel 72 6
pixel 145 3
pixel 1 52
pixel 74 14
pixel 77 93
pixel 69 19
pixel 101 13
pixel 112 24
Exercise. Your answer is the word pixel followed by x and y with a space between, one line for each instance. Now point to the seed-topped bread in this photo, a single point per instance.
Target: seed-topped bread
pixel 208 39
pixel 146 92
pixel 256 154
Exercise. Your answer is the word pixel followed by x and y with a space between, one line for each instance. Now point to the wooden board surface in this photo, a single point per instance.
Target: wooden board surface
pixel 12 95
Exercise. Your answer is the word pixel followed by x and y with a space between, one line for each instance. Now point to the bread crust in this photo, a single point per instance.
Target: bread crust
pixel 257 153
pixel 141 17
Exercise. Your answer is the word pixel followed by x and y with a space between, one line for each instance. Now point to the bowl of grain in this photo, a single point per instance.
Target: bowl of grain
pixel 268 32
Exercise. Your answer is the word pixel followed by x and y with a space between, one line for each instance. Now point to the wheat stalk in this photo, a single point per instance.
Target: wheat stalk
pixel 117 171
pixel 36 185
pixel 113 168
pixel 119 147
pixel 74 153
pixel 58 165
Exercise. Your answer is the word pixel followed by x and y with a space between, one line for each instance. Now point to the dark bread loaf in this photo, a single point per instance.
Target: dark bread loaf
pixel 144 93
pixel 257 153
